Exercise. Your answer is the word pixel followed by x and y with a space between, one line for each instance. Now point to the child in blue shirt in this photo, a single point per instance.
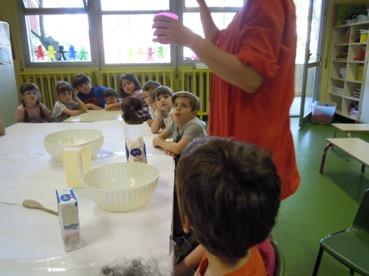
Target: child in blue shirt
pixel 92 96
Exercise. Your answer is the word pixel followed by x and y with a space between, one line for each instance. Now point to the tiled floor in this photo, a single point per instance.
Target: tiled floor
pixel 323 204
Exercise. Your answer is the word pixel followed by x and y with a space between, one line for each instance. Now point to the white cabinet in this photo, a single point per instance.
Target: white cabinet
pixel 8 86
pixel 348 79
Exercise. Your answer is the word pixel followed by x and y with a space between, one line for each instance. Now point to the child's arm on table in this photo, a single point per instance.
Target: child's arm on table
pixel 157 123
pixel 82 105
pixel 113 106
pixel 70 112
pixel 93 106
pixel 173 147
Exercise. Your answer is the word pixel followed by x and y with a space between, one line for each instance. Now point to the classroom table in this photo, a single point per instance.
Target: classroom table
pixel 31 242
pixel 349 128
pixel 96 115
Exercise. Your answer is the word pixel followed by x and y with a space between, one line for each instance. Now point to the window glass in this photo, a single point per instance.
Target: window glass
pixel 53 3
pixel 192 20
pixel 55 38
pixel 215 3
pixel 129 5
pixel 128 39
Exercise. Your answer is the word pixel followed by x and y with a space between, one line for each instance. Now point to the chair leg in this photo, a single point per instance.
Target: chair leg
pixel 317 262
pixel 351 271
pixel 323 157
pixel 362 168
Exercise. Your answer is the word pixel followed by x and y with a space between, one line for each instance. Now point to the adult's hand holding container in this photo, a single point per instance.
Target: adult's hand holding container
pixel 160 18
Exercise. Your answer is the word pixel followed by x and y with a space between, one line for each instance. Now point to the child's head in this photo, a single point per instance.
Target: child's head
pixel 185 106
pixel 64 91
pixel 228 194
pixel 82 83
pixel 111 96
pixel 148 88
pixel 163 98
pixel 129 84
pixel 30 94
pixel 132 109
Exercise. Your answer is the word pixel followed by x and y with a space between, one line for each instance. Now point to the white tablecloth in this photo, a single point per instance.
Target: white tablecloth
pixel 30 240
pixel 96 115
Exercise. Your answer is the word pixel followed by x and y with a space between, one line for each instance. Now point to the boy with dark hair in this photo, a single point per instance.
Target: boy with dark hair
pixel 134 111
pixel 228 194
pixel 185 127
pixel 112 101
pixel 92 95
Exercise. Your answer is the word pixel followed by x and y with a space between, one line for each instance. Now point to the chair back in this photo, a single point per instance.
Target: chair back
pixel 279 260
pixel 361 220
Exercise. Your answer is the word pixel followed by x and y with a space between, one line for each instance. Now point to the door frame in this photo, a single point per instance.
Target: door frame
pixel 304 116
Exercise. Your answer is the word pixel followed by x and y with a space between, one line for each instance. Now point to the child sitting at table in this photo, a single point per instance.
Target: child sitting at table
pixel 163 117
pixel 149 96
pixel 130 86
pixel 68 104
pixel 134 111
pixel 31 110
pixel 185 127
pixel 92 96
pixel 112 101
pixel 228 195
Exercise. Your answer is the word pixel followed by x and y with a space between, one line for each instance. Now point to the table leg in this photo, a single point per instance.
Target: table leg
pixel 323 157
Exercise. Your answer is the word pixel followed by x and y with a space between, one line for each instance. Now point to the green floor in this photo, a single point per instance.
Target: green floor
pixel 323 204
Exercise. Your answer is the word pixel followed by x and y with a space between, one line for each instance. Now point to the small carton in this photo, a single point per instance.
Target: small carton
pixel 68 218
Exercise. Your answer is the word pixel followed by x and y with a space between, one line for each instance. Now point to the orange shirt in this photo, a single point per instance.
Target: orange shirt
pixel 262 35
pixel 253 267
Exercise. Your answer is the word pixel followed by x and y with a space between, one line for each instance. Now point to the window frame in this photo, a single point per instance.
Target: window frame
pixel 99 15
pixel 92 8
pixel 184 10
pixel 56 11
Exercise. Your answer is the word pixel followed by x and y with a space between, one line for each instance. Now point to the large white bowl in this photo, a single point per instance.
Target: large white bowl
pixel 53 142
pixel 120 187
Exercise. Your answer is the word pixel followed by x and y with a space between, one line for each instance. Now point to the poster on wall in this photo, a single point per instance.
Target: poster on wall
pixel 5 50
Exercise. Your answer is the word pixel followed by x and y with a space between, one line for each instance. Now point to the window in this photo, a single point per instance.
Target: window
pixel 51 31
pixel 222 12
pixel 127 32
pixel 110 32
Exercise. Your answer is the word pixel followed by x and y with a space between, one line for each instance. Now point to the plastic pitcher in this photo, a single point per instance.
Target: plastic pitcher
pixel 76 161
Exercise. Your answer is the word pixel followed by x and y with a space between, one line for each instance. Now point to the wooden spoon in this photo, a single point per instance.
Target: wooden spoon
pixel 33 204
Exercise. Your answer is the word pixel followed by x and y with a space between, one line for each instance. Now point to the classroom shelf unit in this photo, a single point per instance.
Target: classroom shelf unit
pixel 348 79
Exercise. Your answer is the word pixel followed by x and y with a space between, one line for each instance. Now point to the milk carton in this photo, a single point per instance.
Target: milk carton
pixel 134 142
pixel 68 218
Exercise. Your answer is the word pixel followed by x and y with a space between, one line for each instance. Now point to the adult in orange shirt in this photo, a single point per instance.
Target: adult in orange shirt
pixel 252 88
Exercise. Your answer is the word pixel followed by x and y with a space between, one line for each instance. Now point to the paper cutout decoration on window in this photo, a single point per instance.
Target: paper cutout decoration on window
pixel 150 54
pixel 83 54
pixel 160 52
pixel 131 54
pixel 72 53
pixel 141 52
pixel 51 52
pixel 40 54
pixel 60 53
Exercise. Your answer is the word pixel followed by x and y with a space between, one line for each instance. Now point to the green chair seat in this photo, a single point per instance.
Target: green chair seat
pixel 350 246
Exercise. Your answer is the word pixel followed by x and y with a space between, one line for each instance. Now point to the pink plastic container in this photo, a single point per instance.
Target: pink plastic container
pixel 167 14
